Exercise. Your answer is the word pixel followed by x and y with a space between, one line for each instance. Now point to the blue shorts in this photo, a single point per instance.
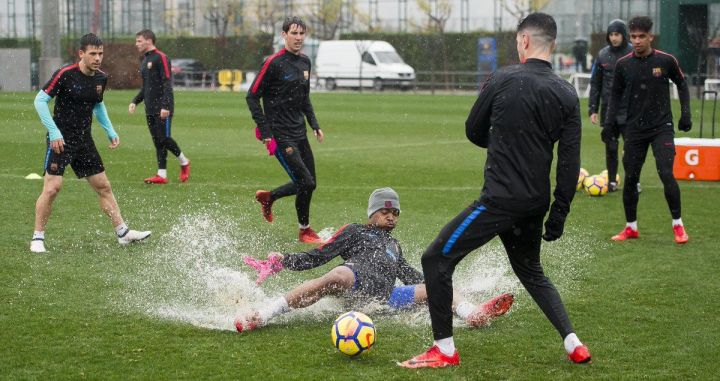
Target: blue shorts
pixel 402 297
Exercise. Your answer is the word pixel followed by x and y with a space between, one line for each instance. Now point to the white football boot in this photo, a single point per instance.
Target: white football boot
pixel 133 236
pixel 37 246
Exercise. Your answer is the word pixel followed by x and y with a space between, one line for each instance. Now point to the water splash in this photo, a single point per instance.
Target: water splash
pixel 194 274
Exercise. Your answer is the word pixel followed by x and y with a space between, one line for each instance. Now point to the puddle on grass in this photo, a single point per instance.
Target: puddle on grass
pixel 195 275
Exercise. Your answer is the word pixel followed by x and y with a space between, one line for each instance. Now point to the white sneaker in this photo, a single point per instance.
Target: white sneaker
pixel 37 246
pixel 132 236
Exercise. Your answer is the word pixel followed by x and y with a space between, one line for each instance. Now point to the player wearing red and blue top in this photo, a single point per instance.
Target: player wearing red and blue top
pixel 283 84
pixel 157 92
pixel 372 262
pixel 641 79
pixel 78 91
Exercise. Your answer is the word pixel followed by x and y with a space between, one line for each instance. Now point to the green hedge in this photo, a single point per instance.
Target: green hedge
pixel 242 52
pixel 423 51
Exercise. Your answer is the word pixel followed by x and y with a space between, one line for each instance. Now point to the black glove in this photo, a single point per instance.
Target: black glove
pixel 553 227
pixel 609 133
pixel 685 124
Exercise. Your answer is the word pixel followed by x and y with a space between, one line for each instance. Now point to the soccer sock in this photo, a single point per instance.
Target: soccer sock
pixel 571 341
pixel 303 226
pixel 632 225
pixel 447 346
pixel 121 230
pixel 183 160
pixel 677 222
pixel 274 308
pixel 162 173
pixel 38 236
pixel 464 309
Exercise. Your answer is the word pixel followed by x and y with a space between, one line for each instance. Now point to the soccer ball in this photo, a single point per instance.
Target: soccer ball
pixel 595 185
pixel 605 175
pixel 353 333
pixel 581 177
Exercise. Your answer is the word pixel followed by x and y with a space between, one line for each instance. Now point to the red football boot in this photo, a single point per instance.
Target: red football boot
pixel 185 172
pixel 627 233
pixel 263 197
pixel 493 308
pixel 248 323
pixel 680 235
pixel 157 179
pixel 433 358
pixel 308 235
pixel 580 355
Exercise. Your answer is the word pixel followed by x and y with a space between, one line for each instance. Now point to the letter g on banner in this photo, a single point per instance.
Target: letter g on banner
pixel 692 157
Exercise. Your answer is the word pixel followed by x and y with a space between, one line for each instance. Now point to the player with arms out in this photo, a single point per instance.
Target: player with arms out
pixel 521 113
pixel 78 91
pixel 373 261
pixel 283 84
pixel 157 92
pixel 644 74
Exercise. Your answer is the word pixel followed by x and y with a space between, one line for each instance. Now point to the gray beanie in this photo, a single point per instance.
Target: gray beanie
pixel 383 198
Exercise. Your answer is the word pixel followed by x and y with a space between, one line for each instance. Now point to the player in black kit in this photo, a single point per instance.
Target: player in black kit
pixel 600 84
pixel 644 75
pixel 78 91
pixel 373 261
pixel 521 112
pixel 283 84
pixel 157 92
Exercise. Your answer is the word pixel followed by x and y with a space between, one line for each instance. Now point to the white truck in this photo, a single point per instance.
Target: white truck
pixel 366 63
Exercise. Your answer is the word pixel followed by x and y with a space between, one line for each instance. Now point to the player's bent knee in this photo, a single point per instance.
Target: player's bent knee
pixel 339 278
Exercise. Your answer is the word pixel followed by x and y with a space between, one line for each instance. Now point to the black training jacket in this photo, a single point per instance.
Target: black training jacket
pixel 283 83
pixel 646 81
pixel 372 253
pixel 156 91
pixel 601 82
pixel 521 112
pixel 76 94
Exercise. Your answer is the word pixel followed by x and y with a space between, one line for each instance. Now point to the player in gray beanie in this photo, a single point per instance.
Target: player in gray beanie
pixel 383 198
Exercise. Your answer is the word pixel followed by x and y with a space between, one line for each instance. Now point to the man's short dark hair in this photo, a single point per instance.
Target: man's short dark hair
pixel 641 23
pixel 293 20
pixel 146 34
pixel 90 39
pixel 542 23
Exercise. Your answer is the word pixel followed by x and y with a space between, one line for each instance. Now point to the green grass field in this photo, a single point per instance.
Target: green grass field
pixel 162 309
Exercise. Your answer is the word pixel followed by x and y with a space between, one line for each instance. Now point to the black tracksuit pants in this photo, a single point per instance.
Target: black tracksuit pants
pixel 297 159
pixel 663 147
pixel 611 138
pixel 160 133
pixel 472 228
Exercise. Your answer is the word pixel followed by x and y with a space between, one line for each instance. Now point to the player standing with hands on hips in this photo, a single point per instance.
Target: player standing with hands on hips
pixel 644 75
pixel 521 112
pixel 283 84
pixel 157 92
pixel 78 91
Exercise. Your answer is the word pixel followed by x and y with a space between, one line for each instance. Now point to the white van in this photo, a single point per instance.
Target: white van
pixel 355 63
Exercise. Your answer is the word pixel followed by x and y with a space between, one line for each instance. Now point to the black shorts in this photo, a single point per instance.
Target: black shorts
pixel 370 286
pixel 84 160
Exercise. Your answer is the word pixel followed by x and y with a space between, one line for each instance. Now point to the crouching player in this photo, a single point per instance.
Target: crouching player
pixel 373 261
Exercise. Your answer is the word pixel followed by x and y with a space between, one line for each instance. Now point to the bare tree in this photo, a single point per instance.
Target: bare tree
pixel 438 13
pixel 220 13
pixel 267 14
pixel 328 17
pixel 521 8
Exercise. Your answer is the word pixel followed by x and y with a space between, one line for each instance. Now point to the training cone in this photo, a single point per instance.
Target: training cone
pixel 33 176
